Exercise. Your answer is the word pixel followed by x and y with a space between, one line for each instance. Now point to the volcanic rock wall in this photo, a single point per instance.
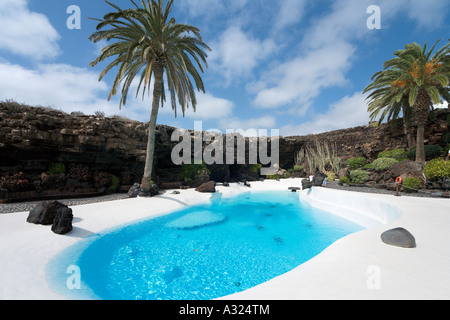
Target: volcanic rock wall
pixel 368 141
pixel 34 138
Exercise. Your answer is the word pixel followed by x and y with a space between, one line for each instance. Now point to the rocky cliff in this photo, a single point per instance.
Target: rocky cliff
pixel 95 150
pixel 92 149
pixel 368 141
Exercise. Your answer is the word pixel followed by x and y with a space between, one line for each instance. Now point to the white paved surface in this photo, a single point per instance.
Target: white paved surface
pixel 359 266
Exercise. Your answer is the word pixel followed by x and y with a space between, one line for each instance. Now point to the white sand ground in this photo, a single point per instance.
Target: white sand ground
pixel 358 266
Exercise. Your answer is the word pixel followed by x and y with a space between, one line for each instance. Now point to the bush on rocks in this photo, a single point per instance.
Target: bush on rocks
pixel 358 176
pixel 431 151
pixel 356 163
pixel 382 164
pixel 412 183
pixel 437 169
pixel 344 179
pixel 398 154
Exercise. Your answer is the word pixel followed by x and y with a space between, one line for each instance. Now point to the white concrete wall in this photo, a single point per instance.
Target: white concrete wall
pixel 362 208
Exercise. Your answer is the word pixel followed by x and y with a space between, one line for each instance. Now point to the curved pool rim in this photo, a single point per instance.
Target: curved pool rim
pixel 361 214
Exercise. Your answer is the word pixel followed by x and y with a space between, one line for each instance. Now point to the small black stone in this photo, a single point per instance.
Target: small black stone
pixel 399 237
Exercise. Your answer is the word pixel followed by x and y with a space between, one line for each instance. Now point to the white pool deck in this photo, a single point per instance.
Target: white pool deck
pixel 359 266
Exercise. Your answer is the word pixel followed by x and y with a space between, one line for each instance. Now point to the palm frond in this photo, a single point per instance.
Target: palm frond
pixel 146 36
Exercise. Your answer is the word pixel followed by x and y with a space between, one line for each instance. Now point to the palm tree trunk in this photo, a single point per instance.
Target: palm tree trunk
pixel 410 131
pixel 421 112
pixel 420 146
pixel 157 91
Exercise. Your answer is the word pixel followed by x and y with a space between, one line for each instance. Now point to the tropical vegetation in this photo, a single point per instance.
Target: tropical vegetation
pixel 356 163
pixel 411 183
pixel 437 169
pixel 382 164
pixel 358 176
pixel 146 43
pixel 410 84
pixel 319 157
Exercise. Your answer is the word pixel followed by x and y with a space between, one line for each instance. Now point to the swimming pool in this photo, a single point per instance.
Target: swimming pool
pixel 206 251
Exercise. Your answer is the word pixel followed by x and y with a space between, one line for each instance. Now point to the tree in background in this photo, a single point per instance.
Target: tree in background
pixel 411 82
pixel 149 43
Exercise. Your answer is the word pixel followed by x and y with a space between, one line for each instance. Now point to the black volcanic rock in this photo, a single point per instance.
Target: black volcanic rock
pixel 45 212
pixel 63 221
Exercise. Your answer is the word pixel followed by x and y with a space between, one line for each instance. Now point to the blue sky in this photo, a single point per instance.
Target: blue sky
pixel 295 65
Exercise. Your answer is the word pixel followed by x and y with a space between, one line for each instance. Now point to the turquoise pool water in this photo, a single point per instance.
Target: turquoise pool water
pixel 207 251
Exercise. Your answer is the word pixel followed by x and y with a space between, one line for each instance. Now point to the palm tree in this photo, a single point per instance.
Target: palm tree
pixel 393 112
pixel 147 42
pixel 412 81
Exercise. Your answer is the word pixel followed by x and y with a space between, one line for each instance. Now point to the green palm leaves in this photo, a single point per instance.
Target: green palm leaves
pixel 410 83
pixel 145 40
pixel 146 44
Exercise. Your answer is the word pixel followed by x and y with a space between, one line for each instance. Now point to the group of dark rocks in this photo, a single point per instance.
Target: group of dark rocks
pixel 207 187
pixel 53 213
pixel 60 216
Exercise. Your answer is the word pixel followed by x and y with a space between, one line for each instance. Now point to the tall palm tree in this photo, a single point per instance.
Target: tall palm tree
pixel 393 112
pixel 147 42
pixel 414 81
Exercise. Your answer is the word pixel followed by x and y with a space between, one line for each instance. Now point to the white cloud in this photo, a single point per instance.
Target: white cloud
pixel 208 107
pixel 265 122
pixel 322 62
pixel 236 54
pixel 328 49
pixel 55 85
pixel 300 80
pixel 67 88
pixel 291 12
pixel 346 21
pixel 211 7
pixel 26 33
pixel 442 105
pixel 429 14
pixel 350 111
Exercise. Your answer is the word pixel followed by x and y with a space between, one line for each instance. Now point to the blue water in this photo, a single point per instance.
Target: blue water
pixel 211 250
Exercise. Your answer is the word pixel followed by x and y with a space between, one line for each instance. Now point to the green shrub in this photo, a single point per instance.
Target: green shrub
pixel 115 183
pixel 273 176
pixel 255 168
pixel 190 171
pixel 382 164
pixel 331 176
pixel 344 179
pixel 57 168
pixel 437 169
pixel 398 154
pixel 446 138
pixel 431 151
pixel 358 176
pixel 356 163
pixel 298 168
pixel 412 183
pixel 368 166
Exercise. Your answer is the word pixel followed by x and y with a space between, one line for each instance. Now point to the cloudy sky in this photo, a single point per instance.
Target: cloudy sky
pixel 295 65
